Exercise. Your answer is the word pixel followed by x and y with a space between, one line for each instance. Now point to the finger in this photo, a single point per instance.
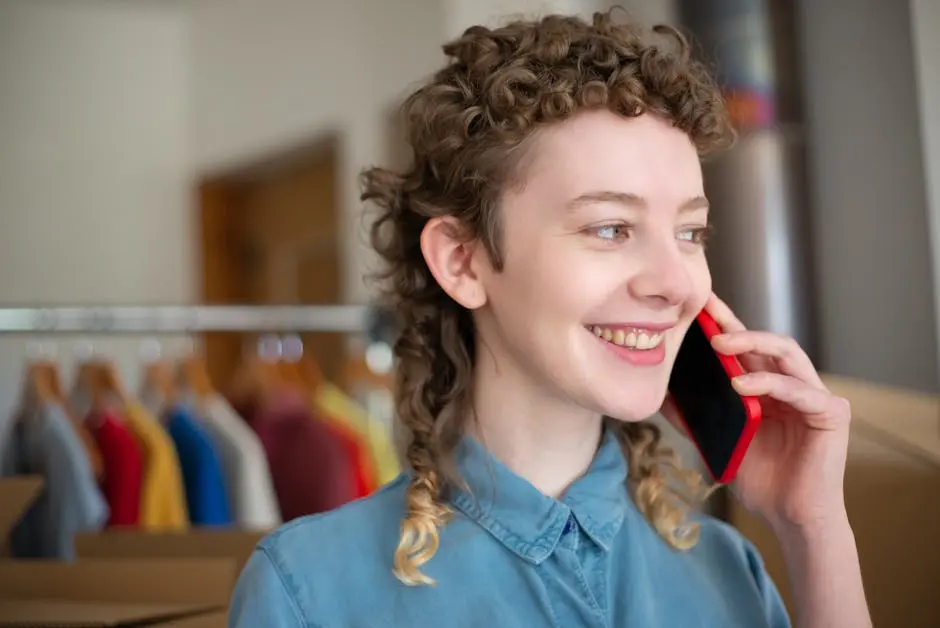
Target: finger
pixel 723 314
pixel 821 409
pixel 789 356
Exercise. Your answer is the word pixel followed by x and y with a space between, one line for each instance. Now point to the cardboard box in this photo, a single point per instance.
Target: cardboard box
pixel 16 496
pixel 132 588
pixel 197 543
pixel 164 593
pixel 892 479
pixel 58 613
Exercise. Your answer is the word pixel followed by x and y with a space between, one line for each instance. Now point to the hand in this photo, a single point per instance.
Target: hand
pixel 793 472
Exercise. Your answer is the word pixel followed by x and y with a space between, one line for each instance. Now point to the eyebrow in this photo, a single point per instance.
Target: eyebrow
pixel 631 200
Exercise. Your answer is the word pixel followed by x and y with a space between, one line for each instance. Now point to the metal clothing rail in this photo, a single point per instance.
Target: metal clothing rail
pixel 186 319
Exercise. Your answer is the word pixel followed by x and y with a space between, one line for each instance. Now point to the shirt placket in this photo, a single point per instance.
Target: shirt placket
pixel 576 603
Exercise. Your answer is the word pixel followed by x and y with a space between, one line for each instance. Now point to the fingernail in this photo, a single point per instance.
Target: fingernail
pixel 740 381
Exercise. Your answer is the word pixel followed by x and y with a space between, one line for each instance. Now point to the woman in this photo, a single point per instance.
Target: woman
pixel 556 194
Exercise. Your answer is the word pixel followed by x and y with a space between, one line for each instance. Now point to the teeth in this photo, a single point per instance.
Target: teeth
pixel 632 339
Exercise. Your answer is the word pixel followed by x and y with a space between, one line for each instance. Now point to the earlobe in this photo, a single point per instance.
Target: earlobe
pixel 449 255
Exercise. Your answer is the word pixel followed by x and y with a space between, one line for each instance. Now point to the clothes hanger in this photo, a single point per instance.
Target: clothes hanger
pixel 99 382
pixel 41 376
pixel 111 384
pixel 158 378
pixel 86 383
pixel 310 372
pixel 258 377
pixel 108 386
pixel 292 367
pixel 157 387
pixel 44 385
pixel 307 370
pixel 193 372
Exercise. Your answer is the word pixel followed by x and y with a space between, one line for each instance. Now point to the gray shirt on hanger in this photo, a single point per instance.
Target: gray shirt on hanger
pixel 44 443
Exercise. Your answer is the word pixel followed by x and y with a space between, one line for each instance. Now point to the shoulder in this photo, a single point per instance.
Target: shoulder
pixel 732 559
pixel 303 571
pixel 358 525
pixel 717 537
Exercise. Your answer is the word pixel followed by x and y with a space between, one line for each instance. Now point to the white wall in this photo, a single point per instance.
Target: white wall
pixel 94 165
pixel 925 24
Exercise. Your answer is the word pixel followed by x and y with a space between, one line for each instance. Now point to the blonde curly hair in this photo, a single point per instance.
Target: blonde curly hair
pixel 466 127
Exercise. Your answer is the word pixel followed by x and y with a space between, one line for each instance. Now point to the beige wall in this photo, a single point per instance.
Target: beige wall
pixel 925 23
pixel 870 208
pixel 95 160
pixel 265 78
pixel 110 109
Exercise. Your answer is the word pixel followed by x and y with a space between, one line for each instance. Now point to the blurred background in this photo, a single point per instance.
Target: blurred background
pixel 174 153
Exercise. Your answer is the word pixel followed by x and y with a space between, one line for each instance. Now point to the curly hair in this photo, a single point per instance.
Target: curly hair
pixel 468 127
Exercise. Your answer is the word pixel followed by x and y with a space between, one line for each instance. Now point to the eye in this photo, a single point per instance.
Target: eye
pixel 695 235
pixel 611 233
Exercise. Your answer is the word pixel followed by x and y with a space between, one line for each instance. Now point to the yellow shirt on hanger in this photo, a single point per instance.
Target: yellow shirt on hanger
pixel 162 495
pixel 333 402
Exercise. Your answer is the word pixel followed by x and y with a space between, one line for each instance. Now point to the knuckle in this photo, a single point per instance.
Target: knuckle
pixel 764 379
pixel 843 407
pixel 791 347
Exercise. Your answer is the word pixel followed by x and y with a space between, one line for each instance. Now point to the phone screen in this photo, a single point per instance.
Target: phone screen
pixel 713 411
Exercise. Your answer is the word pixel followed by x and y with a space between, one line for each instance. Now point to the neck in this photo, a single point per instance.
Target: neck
pixel 538 436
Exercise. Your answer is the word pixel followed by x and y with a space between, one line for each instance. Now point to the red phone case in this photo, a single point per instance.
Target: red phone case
pixel 751 404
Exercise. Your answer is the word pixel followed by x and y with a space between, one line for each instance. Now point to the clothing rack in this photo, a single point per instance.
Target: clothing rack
pixel 189 319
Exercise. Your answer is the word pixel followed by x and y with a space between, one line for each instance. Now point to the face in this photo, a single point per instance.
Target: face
pixel 604 266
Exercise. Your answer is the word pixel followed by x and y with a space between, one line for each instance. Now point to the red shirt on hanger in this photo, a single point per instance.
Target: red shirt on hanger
pixel 313 469
pixel 366 482
pixel 123 468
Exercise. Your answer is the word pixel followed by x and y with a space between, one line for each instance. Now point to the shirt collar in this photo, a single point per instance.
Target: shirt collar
pixel 530 523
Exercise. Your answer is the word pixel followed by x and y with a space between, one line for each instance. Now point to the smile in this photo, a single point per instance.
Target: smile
pixel 629 337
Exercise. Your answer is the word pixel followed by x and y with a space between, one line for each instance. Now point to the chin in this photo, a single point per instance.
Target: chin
pixel 633 403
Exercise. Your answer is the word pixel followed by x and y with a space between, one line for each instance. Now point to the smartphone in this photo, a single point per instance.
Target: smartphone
pixel 719 421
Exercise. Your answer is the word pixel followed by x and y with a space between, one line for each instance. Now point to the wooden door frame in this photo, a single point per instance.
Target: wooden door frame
pixel 219 252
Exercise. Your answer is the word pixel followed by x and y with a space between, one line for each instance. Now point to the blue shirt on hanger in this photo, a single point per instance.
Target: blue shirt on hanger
pixel 512 557
pixel 203 478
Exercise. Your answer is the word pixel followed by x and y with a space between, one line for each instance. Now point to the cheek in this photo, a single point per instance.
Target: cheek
pixel 701 279
pixel 545 285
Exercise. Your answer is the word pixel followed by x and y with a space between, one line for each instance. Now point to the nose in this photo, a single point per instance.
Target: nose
pixel 664 279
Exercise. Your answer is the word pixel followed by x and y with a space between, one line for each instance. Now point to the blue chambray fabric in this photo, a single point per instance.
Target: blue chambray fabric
pixel 510 558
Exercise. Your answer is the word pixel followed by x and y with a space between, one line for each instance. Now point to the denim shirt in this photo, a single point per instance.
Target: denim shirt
pixel 510 557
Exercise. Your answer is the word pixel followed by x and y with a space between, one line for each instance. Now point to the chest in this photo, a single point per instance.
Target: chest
pixel 575 587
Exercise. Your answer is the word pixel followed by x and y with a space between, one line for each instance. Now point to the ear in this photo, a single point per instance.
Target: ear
pixel 449 254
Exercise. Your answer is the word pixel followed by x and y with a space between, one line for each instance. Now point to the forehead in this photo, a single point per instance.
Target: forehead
pixel 644 156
